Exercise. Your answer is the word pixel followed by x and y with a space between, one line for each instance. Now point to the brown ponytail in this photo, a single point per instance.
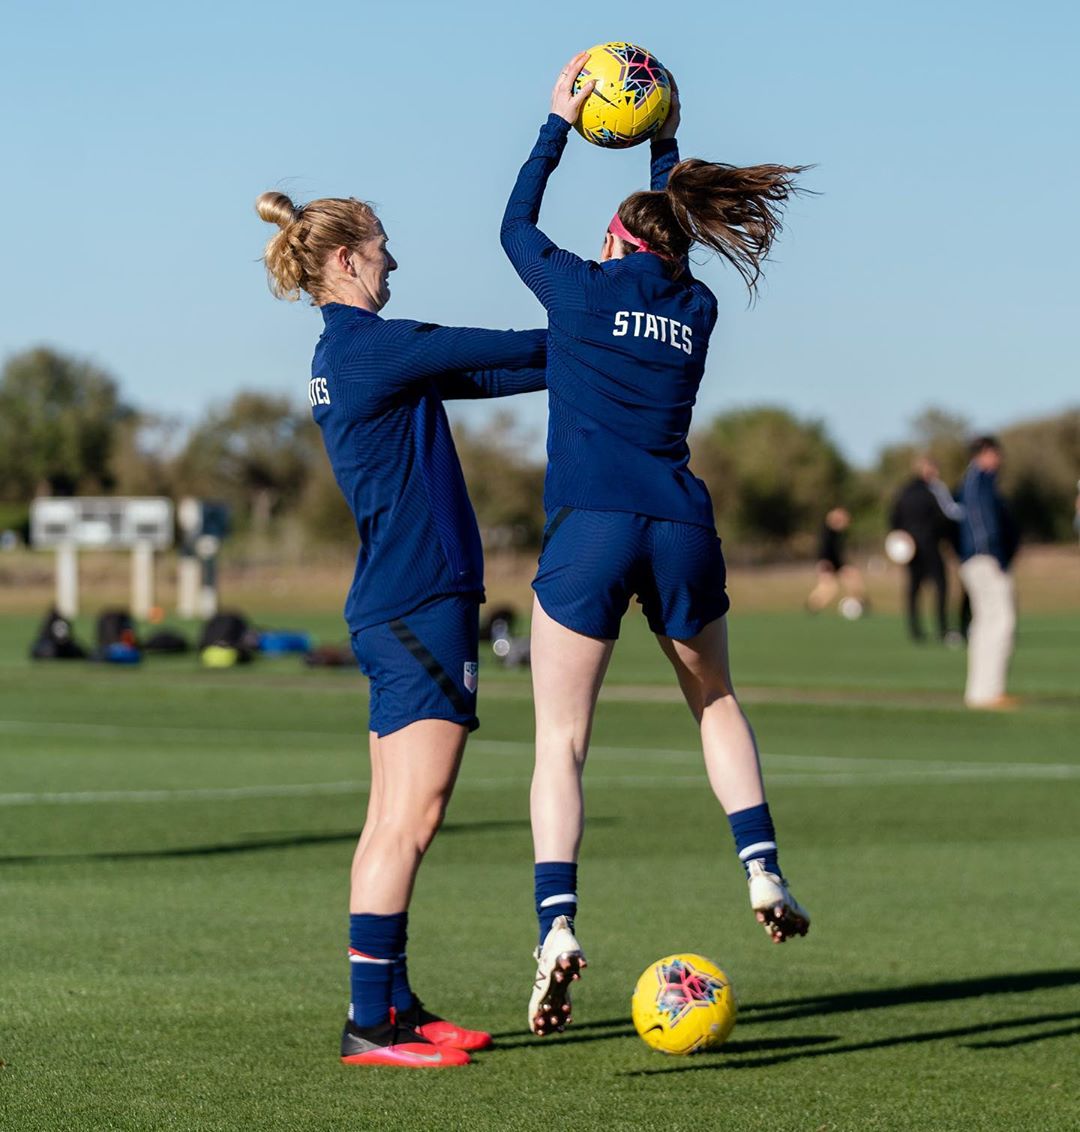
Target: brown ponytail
pixel 735 211
pixel 296 257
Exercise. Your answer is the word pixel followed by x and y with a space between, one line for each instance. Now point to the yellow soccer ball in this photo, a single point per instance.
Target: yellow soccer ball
pixel 683 1004
pixel 631 99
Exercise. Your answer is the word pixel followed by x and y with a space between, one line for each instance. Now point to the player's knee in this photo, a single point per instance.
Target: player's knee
pixel 412 829
pixel 563 746
pixel 719 696
pixel 428 822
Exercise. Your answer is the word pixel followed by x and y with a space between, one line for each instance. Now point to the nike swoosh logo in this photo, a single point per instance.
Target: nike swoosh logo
pixel 428 1056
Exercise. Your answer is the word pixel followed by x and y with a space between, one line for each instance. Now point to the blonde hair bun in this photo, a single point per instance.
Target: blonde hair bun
pixel 296 256
pixel 277 208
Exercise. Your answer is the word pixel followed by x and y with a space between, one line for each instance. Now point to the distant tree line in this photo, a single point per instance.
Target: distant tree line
pixel 64 429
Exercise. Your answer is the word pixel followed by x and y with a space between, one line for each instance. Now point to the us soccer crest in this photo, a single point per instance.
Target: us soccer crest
pixel 472 672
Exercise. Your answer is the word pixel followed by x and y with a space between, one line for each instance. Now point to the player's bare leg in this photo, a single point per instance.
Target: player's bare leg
pixel 567 671
pixel 732 761
pixel 825 589
pixel 413 776
pixel 374 796
pixel 413 772
pixel 853 582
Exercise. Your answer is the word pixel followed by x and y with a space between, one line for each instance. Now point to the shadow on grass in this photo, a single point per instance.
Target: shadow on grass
pixel 258 844
pixel 1027 1039
pixel 623 1029
pixel 950 991
pixel 607 1031
pixel 722 1059
pixel 734 1053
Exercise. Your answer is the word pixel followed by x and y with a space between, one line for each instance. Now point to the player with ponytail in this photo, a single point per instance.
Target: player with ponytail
pixel 376 391
pixel 626 354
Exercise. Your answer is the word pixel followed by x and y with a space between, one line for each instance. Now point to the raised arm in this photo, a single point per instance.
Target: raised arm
pixel 544 268
pixel 665 156
pixel 665 149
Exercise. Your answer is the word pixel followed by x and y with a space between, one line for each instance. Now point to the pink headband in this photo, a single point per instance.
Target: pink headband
pixel 618 228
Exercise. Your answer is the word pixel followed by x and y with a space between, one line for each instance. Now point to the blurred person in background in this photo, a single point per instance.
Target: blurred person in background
pixel 925 510
pixel 834 573
pixel 987 543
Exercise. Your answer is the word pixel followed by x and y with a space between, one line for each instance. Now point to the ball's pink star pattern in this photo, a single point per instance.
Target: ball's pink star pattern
pixel 640 71
pixel 682 987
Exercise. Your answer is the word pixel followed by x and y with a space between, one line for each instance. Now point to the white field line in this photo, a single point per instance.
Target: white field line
pixel 156 731
pixel 909 772
pixel 196 794
pixel 516 746
pixel 839 764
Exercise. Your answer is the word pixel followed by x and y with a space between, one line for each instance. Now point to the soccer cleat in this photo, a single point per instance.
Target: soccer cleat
pixel 438 1030
pixel 559 962
pixel 776 909
pixel 390 1043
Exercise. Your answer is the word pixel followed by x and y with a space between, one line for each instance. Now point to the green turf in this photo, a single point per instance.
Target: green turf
pixel 175 959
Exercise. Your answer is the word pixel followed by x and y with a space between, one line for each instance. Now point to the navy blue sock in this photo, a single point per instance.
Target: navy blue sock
pixel 401 995
pixel 375 942
pixel 755 838
pixel 556 892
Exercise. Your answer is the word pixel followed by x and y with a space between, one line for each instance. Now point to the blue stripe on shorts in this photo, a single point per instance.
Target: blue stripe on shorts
pixel 423 665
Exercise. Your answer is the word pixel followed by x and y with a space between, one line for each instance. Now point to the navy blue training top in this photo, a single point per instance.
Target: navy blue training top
pixel 986 526
pixel 377 390
pixel 626 354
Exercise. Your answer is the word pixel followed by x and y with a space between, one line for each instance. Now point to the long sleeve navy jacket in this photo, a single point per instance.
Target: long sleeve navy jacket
pixel 377 390
pixel 986 526
pixel 626 354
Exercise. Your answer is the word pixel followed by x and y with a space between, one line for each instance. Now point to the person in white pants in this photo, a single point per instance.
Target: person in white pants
pixel 987 544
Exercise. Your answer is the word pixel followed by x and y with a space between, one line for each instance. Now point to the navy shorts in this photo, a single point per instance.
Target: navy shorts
pixel 593 562
pixel 422 665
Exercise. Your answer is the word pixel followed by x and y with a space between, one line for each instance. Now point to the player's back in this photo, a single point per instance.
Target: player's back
pixel 625 361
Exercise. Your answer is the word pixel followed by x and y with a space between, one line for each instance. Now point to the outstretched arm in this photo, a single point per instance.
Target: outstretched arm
pixel 949 507
pixel 544 267
pixel 473 384
pixel 400 353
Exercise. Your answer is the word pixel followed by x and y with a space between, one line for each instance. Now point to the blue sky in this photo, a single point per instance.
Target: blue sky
pixel 938 265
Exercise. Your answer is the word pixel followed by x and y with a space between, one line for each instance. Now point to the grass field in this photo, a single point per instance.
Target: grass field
pixel 173 855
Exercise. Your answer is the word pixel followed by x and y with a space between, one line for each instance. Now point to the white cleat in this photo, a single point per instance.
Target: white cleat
pixel 776 909
pixel 559 962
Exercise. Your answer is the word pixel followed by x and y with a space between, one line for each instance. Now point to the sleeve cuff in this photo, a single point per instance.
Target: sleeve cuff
pixel 556 124
pixel 661 146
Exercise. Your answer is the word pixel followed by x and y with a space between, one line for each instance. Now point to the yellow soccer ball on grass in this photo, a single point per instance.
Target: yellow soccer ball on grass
pixel 631 99
pixel 683 1004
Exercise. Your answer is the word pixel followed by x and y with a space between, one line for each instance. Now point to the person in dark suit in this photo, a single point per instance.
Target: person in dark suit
pixel 925 510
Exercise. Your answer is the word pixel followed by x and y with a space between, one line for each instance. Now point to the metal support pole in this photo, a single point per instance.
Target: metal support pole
pixel 208 593
pixel 188 582
pixel 67 580
pixel 142 580
pixel 207 547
